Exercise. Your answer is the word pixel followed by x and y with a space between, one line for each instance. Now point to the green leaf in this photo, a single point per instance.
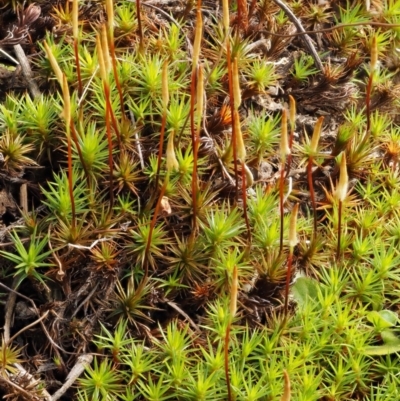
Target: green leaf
pixel 390 338
pixel 303 289
pixel 385 349
pixel 382 319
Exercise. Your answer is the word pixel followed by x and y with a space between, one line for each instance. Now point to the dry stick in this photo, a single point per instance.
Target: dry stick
pixel 23 197
pixel 184 314
pixel 332 28
pixel 38 314
pixel 27 327
pixel 9 309
pixel 80 365
pixel 22 390
pixel 26 70
pixel 306 39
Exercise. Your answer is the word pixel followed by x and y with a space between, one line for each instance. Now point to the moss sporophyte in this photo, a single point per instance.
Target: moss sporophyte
pixel 210 201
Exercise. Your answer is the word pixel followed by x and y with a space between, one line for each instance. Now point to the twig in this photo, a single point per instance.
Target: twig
pixel 80 365
pixel 23 197
pixel 27 327
pixel 179 310
pixel 85 300
pixel 26 71
pixel 38 314
pixel 9 308
pixel 27 394
pixel 306 39
pixel 8 56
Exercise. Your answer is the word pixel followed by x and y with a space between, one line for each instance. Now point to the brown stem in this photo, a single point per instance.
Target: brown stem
pixel 150 236
pixel 141 46
pixel 339 230
pixel 226 360
pixel 110 145
pixel 368 103
pixel 288 277
pixel 233 111
pixel 244 200
pixel 75 139
pixel 194 146
pixel 111 114
pixel 281 196
pixel 70 181
pixel 78 68
pixel 160 146
pixel 312 193
pixel 114 64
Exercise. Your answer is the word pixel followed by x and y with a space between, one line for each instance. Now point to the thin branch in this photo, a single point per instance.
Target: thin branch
pixel 306 39
pixel 26 70
pixel 80 365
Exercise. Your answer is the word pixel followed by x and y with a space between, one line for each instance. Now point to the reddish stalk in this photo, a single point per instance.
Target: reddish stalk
pixel 226 361
pixel 374 61
pixel 339 230
pixel 281 210
pixel 196 92
pixel 285 152
pixel 312 154
pixel 368 102
pixel 232 313
pixel 340 196
pixel 111 113
pixel 78 68
pixel 70 181
pixel 141 45
pixel 312 193
pixel 160 146
pixel 292 123
pixel 242 15
pixel 165 100
pixel 75 139
pixel 117 83
pixel 152 225
pixel 233 111
pixel 288 278
pixel 244 200
pixel 292 243
pixel 194 146
pixel 110 145
pixel 68 121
